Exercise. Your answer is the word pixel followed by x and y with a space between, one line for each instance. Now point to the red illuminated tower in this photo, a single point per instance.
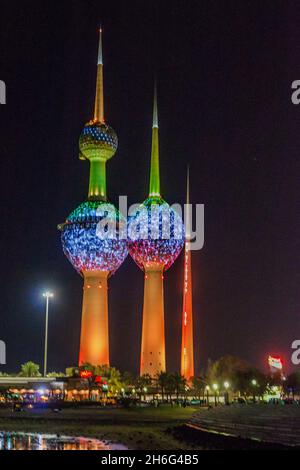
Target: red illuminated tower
pixel 187 340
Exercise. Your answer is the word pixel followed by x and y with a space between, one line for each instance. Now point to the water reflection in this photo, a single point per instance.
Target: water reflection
pixel 30 441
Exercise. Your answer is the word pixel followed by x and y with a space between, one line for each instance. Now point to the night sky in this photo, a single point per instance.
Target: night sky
pixel 224 72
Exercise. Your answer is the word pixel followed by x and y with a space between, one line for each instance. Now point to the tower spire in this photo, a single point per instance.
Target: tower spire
pixel 154 189
pixel 188 185
pixel 188 222
pixel 99 102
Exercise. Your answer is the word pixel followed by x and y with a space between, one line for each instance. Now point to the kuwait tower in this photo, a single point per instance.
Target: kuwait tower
pixel 187 342
pixel 156 237
pixel 90 234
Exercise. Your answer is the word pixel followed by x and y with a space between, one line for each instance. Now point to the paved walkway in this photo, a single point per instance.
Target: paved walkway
pixel 267 423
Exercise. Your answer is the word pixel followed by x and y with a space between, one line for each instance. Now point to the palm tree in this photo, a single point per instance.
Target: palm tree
pixel 114 378
pixel 112 375
pixel 162 380
pixel 127 379
pixel 199 384
pixel 143 382
pixel 30 369
pixel 103 370
pixel 87 366
pixel 179 383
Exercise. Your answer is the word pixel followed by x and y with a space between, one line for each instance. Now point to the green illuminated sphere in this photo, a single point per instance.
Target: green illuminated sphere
pixel 98 141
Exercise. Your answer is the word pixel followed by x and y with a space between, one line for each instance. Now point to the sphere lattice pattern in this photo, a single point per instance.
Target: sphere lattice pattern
pixel 85 246
pixel 155 234
pixel 98 141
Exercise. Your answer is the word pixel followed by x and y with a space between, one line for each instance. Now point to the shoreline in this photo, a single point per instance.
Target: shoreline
pixel 135 429
pixel 163 428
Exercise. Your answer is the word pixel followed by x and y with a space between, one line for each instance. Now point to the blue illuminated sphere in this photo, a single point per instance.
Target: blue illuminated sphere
pixel 90 237
pixel 97 140
pixel 155 234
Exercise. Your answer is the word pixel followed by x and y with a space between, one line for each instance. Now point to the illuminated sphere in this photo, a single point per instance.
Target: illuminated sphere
pixel 98 141
pixel 168 240
pixel 86 248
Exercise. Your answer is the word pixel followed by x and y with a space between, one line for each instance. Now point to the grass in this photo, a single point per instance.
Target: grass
pixel 138 428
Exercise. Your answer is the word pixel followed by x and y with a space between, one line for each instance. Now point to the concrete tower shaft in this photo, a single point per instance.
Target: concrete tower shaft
pixel 153 354
pixel 94 343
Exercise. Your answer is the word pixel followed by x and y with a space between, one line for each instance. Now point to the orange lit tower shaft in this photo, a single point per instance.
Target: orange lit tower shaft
pixel 187 340
pixel 94 342
pixel 153 356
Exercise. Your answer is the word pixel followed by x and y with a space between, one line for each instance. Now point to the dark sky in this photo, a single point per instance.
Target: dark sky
pixel 224 74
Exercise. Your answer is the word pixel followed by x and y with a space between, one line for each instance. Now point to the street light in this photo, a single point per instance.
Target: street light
pixel 226 395
pixel 254 383
pixel 48 295
pixel 215 387
pixel 207 388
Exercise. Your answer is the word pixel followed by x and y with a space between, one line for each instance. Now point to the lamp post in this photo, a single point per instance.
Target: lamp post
pixel 48 295
pixel 207 388
pixel 254 384
pixel 226 397
pixel 215 387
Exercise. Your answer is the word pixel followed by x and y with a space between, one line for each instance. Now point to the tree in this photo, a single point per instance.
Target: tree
pixel 162 380
pixel 250 382
pixel 292 383
pixel 128 379
pixel 242 376
pixel 199 384
pixel 179 382
pixel 112 375
pixel 30 369
pixel 142 382
pixel 114 378
pixel 87 366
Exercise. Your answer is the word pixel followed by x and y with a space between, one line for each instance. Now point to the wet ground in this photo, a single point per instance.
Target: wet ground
pixel 34 441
